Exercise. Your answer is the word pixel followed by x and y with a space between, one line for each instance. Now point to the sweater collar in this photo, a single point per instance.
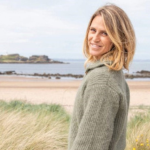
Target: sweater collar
pixel 96 64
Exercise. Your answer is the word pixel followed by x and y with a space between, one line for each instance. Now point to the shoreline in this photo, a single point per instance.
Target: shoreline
pixel 20 80
pixel 63 92
pixel 37 78
pixel 60 79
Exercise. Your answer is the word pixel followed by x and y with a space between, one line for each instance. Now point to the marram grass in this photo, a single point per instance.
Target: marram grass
pixel 26 126
pixel 138 131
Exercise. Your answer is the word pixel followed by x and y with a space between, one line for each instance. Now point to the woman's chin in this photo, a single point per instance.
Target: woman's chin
pixel 95 55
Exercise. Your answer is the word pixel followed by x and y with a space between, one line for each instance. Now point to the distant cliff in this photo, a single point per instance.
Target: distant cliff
pixel 16 58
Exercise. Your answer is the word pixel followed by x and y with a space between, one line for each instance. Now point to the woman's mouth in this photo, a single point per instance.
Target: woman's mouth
pixel 95 46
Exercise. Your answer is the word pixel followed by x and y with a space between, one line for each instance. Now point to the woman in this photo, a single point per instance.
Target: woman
pixel 99 118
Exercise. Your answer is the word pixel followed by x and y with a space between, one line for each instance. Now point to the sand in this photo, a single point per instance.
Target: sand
pixel 42 90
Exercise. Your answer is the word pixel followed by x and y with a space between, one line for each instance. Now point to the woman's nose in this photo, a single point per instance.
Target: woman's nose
pixel 96 38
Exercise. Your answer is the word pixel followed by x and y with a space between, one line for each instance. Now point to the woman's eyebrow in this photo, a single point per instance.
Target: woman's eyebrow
pixel 103 30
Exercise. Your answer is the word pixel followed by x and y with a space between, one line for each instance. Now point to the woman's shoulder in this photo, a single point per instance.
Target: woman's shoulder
pixel 98 75
pixel 99 72
pixel 103 74
pixel 105 77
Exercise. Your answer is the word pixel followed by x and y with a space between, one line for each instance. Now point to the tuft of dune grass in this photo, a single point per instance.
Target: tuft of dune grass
pixel 26 126
pixel 138 130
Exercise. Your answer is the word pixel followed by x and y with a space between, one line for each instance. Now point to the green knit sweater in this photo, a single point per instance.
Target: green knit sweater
pixel 99 118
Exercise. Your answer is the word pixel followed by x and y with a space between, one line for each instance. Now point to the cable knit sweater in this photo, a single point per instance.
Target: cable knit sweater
pixel 99 118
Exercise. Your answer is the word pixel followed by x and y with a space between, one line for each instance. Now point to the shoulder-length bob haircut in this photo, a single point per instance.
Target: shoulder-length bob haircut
pixel 120 32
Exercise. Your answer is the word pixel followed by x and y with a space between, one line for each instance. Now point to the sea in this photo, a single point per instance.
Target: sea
pixel 75 66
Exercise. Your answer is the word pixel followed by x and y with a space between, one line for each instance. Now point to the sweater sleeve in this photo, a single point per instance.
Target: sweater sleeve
pixel 96 127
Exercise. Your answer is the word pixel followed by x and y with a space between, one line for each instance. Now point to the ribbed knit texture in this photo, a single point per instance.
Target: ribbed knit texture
pixel 99 118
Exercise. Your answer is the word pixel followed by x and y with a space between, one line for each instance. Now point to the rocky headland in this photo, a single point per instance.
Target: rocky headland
pixel 34 59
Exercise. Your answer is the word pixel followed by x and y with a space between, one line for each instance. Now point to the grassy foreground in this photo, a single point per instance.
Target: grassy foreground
pixel 138 130
pixel 26 126
pixel 33 127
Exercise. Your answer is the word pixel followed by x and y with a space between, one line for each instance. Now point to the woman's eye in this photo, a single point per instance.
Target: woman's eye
pixel 104 33
pixel 92 29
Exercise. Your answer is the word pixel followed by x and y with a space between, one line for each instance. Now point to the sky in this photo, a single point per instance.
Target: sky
pixel 56 28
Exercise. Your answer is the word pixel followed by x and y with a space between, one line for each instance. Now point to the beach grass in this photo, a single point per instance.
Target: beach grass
pixel 25 126
pixel 138 129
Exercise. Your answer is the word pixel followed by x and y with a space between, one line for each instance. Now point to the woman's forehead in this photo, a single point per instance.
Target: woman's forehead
pixel 98 23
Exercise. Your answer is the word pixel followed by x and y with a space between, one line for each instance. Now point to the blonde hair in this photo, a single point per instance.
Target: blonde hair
pixel 120 32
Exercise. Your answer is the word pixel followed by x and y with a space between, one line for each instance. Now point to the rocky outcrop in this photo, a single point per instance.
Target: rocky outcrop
pixel 22 58
pixel 139 74
pixel 58 76
pixel 8 72
pixel 143 72
pixel 16 58
pixel 42 58
pixel 48 75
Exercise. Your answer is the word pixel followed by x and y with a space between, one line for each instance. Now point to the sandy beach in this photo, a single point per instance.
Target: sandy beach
pixel 42 90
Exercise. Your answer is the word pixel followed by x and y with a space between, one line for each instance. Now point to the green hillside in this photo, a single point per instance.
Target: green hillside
pixel 16 58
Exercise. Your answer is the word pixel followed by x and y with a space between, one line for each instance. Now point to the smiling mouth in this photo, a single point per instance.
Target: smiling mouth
pixel 95 45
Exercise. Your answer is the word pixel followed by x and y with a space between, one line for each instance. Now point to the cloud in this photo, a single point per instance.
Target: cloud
pixel 29 23
pixel 58 27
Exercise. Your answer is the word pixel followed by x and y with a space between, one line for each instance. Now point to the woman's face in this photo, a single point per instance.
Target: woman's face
pixel 98 41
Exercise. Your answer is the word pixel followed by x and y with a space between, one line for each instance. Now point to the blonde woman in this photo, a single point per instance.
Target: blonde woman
pixel 99 118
